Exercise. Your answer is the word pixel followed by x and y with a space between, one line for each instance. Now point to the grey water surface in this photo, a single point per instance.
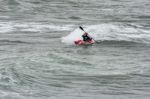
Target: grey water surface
pixel 35 64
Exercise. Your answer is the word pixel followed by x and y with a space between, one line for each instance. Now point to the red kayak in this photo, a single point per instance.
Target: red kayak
pixel 81 42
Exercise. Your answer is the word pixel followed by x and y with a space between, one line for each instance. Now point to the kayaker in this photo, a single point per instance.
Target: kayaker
pixel 86 37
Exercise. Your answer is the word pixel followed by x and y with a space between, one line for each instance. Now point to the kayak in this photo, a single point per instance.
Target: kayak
pixel 85 36
pixel 81 42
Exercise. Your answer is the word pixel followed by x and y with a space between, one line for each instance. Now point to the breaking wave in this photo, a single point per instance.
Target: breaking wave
pixel 112 32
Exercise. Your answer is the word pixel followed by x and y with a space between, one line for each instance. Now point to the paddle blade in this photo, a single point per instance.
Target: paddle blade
pixel 81 28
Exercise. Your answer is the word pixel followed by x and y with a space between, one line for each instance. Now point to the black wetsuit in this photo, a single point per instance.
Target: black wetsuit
pixel 86 38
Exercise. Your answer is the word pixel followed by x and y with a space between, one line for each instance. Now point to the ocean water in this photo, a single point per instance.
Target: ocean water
pixel 38 59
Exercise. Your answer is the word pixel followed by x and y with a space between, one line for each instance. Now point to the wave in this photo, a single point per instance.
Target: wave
pixel 112 32
pixel 10 42
pixel 28 6
pixel 31 27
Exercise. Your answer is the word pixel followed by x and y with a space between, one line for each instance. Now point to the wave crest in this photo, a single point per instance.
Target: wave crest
pixel 111 32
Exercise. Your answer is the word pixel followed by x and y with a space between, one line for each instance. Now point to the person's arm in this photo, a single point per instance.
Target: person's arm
pixel 89 36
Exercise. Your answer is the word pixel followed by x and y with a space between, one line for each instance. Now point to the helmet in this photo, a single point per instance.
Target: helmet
pixel 85 33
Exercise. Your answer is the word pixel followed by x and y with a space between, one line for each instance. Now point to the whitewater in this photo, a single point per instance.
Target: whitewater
pixel 111 32
pixel 38 58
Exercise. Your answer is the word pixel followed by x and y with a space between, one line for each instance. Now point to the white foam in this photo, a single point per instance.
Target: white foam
pixel 116 32
pixel 42 27
pixel 31 27
pixel 69 39
pixel 6 27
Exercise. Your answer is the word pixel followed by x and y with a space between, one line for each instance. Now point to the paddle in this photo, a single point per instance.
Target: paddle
pixel 81 28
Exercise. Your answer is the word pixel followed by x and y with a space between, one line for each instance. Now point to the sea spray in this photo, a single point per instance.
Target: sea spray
pixel 110 32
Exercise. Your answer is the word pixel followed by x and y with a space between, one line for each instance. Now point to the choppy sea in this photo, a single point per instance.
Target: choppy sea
pixel 38 59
